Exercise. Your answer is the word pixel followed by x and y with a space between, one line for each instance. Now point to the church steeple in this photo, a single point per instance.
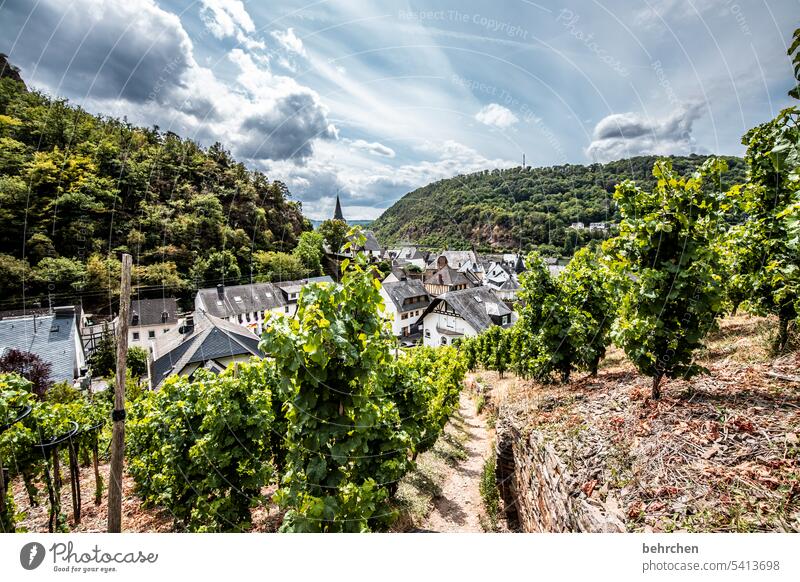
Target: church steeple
pixel 337 214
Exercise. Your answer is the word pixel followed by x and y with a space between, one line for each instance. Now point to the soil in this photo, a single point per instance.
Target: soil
pixel 459 507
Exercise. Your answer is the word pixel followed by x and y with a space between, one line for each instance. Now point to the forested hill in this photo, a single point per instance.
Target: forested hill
pixel 506 209
pixel 77 189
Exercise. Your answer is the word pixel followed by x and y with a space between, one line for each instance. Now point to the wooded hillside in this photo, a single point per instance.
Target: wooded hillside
pixel 522 208
pixel 77 189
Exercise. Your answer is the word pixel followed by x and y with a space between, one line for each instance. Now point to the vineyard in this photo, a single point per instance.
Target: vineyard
pixel 330 422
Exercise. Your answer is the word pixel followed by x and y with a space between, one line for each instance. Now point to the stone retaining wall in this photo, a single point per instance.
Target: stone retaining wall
pixel 538 492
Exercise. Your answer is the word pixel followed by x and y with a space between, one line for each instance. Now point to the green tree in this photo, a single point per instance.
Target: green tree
pixel 136 361
pixel 310 252
pixel 334 232
pixel 665 247
pixel 271 266
pixel 219 266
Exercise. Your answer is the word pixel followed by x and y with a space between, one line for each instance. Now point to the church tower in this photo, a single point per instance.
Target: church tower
pixel 337 214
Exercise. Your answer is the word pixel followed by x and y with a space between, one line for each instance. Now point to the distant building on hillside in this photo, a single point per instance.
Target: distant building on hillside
pixel 577 225
pixel 598 226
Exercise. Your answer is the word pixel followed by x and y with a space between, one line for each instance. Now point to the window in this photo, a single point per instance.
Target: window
pixel 427 333
pixel 166 330
pixel 444 341
pixel 286 309
pixel 136 336
pixel 151 334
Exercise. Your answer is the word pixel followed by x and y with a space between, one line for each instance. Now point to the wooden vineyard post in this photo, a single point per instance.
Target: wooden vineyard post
pixel 118 413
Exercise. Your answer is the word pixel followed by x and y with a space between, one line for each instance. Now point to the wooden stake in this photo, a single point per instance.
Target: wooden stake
pixel 118 414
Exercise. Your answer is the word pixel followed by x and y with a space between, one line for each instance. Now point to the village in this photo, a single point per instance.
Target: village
pixel 431 298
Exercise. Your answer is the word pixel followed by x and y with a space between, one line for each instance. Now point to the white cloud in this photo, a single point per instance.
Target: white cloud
pixel 622 135
pixel 374 147
pixel 289 40
pixel 229 18
pixel 496 115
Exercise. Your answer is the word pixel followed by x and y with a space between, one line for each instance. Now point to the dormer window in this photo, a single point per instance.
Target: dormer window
pixel 135 319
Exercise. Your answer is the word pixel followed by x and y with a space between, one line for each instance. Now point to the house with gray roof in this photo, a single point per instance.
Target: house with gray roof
pixel 446 279
pixel 55 338
pixel 404 302
pixel 463 313
pixel 209 342
pixel 150 319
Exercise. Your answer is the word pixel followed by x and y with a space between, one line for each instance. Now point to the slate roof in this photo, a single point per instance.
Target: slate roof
pixel 53 341
pixel 454 258
pixel 447 276
pixel 212 339
pixel 399 291
pixel 150 311
pixel 238 299
pixel 475 306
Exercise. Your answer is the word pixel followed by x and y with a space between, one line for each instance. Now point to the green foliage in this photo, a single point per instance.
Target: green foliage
pixel 271 266
pixel 310 252
pixel 794 53
pixel 589 288
pixel 136 361
pixel 544 341
pixel 762 252
pixel 354 416
pixel 491 349
pixel 532 207
pixel 334 232
pixel 665 248
pixel 74 185
pixel 490 493
pixel 217 267
pixel 63 409
pixel 202 448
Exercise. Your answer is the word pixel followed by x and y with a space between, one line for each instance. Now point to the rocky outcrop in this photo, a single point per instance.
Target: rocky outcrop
pixel 8 70
pixel 539 493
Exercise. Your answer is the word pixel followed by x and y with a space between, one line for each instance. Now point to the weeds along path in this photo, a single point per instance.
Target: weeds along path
pixel 458 508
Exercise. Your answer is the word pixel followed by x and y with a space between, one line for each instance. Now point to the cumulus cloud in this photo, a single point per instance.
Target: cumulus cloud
pixel 496 115
pixel 622 135
pixel 121 49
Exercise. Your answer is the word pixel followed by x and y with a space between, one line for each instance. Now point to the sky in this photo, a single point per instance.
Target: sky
pixel 370 100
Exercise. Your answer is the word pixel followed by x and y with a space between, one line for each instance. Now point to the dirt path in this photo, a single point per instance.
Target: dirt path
pixel 459 507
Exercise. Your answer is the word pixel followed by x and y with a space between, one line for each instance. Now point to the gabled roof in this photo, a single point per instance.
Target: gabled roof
pixel 212 339
pixel 449 276
pixel 51 337
pixel 475 306
pixel 237 299
pixel 399 291
pixel 150 311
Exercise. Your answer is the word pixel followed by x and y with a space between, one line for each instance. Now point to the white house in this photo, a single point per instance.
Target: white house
pixel 150 319
pixel 463 313
pixel 577 225
pixel 598 226
pixel 404 303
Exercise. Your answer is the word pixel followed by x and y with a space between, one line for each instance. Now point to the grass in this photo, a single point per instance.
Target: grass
pixel 490 494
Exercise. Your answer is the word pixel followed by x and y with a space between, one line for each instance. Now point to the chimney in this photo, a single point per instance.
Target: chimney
pixel 135 318
pixel 164 317
pixel 221 291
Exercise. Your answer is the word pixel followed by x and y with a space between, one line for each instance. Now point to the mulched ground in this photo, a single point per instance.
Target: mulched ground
pixel 719 452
